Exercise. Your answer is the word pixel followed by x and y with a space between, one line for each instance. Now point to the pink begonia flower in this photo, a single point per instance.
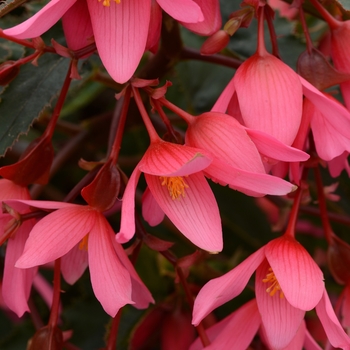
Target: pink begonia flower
pixel 176 182
pixel 287 283
pixel 120 29
pixel 113 278
pixel 267 95
pixel 16 283
pixel 236 158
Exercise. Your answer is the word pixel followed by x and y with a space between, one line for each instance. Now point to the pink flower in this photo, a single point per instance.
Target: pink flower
pixel 120 28
pixel 70 227
pixel 178 188
pixel 236 158
pixel 288 283
pixel 16 283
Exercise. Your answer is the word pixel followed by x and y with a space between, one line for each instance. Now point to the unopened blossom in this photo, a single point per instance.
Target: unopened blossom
pixel 120 28
pixel 287 284
pixel 178 189
pixel 113 278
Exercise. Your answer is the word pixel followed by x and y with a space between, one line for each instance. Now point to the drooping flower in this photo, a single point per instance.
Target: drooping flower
pixel 113 278
pixel 177 184
pixel 120 28
pixel 287 283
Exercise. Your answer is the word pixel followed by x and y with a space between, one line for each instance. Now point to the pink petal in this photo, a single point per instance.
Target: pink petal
pixel 310 343
pixel 170 159
pixel 272 148
pixel 120 34
pixel 270 97
pixel 155 27
pixel 250 183
pixel 335 333
pixel 151 211
pixel 9 190
pixel 41 21
pixel 127 224
pixel 56 234
pixel 300 278
pixel 182 10
pixel 196 214
pixel 280 319
pixel 212 18
pixel 77 26
pixel 298 341
pixel 219 291
pixel 44 288
pixel 224 99
pixel 17 283
pixel 226 139
pixel 73 264
pixel 235 331
pixel 40 204
pixel 110 280
pixel 346 307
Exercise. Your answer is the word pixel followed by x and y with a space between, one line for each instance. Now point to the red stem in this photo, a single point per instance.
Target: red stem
pixel 188 118
pixel 272 31
pixel 112 338
pixel 331 21
pixel 309 44
pixel 261 50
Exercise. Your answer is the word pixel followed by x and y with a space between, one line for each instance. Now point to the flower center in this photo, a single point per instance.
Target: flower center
pixel 176 186
pixel 274 287
pixel 107 3
pixel 83 245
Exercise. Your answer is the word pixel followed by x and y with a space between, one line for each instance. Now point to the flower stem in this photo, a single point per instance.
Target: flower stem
pixel 261 50
pixel 331 21
pixel 112 338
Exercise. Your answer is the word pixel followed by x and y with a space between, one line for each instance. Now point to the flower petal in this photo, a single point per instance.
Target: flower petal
pixel 280 319
pixel 196 214
pixel 56 234
pixel 335 333
pixel 110 280
pixel 151 211
pixel 220 290
pixel 9 190
pixel 170 159
pixel 182 10
pixel 120 34
pixel 41 21
pixel 225 97
pixel 300 278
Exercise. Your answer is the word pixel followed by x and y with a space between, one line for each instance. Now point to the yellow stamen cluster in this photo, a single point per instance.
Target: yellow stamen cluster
pixel 83 245
pixel 176 186
pixel 274 287
pixel 107 3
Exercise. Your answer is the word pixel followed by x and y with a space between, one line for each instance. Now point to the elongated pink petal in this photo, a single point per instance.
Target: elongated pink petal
pixel 170 159
pixel 280 319
pixel 151 211
pixel 275 149
pixel 224 99
pixel 335 333
pixel 56 234
pixel 219 291
pixel 195 214
pixel 237 331
pixel 250 183
pixel 140 295
pixel 310 342
pixel 17 283
pixel 77 26
pixel 346 307
pixel 226 139
pixel 41 21
pixel 182 10
pixel 212 18
pixel 9 190
pixel 110 280
pixel 41 204
pixel 73 264
pixel 120 34
pixel 127 224
pixel 270 96
pixel 155 27
pixel 299 276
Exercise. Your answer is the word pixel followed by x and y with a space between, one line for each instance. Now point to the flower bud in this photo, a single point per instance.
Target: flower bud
pixel 215 43
pixel 46 338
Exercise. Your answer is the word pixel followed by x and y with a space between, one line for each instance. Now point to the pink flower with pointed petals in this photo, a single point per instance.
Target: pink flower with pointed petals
pixel 113 278
pixel 288 283
pixel 16 283
pixel 176 182
pixel 236 158
pixel 120 29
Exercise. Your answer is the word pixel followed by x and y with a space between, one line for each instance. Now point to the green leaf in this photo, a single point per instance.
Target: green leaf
pixel 28 95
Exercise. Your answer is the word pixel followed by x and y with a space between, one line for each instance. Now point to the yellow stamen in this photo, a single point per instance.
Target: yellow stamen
pixel 176 186
pixel 107 3
pixel 274 287
pixel 83 245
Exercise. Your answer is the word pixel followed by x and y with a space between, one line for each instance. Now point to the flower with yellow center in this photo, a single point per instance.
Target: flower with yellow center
pixel 274 287
pixel 176 186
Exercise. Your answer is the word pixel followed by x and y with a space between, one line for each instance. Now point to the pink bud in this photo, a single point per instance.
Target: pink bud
pixel 215 43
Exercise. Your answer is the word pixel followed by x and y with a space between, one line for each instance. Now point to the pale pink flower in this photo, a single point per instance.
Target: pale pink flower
pixel 113 278
pixel 16 283
pixel 177 184
pixel 288 283
pixel 236 158
pixel 120 29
